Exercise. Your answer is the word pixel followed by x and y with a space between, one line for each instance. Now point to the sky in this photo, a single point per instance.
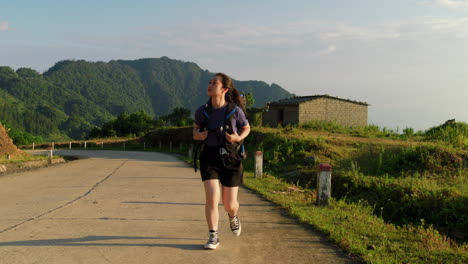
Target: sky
pixel 407 59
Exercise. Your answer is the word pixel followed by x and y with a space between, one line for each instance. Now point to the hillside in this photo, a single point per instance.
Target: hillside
pixel 72 97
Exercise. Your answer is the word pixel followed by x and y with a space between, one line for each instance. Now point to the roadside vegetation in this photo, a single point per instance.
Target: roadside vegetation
pixel 24 158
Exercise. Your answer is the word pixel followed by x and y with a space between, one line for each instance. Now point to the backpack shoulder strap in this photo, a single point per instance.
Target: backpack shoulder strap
pixel 232 108
pixel 207 110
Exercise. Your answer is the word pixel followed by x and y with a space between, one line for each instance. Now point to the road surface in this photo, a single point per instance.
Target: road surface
pixel 139 207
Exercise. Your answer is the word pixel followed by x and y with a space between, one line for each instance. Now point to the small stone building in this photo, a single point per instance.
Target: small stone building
pixel 303 109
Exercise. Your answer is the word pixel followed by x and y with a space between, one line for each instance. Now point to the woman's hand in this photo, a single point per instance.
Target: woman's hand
pixel 197 135
pixel 231 138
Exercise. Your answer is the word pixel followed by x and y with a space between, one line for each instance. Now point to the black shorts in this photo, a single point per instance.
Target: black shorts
pixel 212 167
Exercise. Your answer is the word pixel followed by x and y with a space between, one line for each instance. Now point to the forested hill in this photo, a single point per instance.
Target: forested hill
pixel 73 96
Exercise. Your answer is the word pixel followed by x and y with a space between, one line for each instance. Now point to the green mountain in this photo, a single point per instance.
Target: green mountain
pixel 72 97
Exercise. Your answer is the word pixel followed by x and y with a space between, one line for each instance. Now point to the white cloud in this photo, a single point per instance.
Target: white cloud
pixel 313 38
pixel 452 3
pixel 4 26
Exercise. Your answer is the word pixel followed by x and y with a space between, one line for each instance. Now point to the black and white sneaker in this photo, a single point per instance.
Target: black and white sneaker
pixel 213 241
pixel 235 224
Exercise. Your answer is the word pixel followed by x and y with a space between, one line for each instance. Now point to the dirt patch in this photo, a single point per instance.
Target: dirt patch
pixel 6 145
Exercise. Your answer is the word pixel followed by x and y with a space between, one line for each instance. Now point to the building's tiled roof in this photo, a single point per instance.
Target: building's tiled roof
pixel 302 99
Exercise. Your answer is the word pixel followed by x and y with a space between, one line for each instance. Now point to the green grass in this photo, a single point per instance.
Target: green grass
pixel 24 159
pixel 356 229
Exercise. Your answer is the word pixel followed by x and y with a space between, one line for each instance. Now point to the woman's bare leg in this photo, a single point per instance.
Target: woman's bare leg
pixel 231 205
pixel 212 194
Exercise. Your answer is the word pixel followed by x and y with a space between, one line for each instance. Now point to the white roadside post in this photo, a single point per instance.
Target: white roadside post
pixel 258 164
pixel 69 145
pixel 324 184
pixel 53 145
pixel 33 145
pixel 85 145
pixel 50 154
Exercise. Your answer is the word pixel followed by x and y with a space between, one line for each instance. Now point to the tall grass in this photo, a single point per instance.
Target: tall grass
pixel 362 131
pixel 454 133
pixel 451 132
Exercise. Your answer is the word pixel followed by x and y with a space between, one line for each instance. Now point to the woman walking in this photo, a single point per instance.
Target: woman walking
pixel 222 125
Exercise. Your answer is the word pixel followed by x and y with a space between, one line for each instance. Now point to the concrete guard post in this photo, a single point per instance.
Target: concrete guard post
pixel 33 145
pixel 85 145
pixel 50 154
pixel 258 164
pixel 69 145
pixel 324 184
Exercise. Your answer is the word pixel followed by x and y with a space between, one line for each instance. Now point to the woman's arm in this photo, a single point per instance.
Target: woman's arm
pixel 236 137
pixel 197 135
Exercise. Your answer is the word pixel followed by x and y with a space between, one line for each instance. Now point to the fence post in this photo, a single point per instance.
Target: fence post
pixel 190 153
pixel 258 164
pixel 8 156
pixel 102 145
pixel 124 146
pixel 50 154
pixel 53 145
pixel 180 146
pixel 144 145
pixel 170 146
pixel 85 145
pixel 69 145
pixel 33 145
pixel 324 184
pixel 159 145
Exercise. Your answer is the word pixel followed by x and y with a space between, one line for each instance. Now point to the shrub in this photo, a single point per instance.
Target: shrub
pixel 454 133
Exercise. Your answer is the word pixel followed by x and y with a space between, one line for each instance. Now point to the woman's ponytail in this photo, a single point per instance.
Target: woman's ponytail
pixel 233 95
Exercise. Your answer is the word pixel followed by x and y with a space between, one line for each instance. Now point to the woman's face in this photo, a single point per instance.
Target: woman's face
pixel 215 87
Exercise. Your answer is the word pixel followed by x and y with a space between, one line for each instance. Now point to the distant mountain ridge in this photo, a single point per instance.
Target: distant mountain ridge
pixel 75 95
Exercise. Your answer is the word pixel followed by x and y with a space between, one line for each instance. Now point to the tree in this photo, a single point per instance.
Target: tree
pixel 249 100
pixel 180 116
pixel 125 124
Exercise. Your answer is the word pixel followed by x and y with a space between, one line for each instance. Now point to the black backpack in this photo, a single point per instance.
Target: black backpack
pixel 234 151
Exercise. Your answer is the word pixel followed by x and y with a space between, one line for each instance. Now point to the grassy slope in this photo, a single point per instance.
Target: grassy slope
pixel 358 216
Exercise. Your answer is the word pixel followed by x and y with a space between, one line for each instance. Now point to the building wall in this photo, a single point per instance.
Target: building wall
pixel 313 110
pixel 269 118
pixel 344 113
pixel 290 115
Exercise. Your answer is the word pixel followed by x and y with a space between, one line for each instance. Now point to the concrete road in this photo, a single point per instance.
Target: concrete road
pixel 139 207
